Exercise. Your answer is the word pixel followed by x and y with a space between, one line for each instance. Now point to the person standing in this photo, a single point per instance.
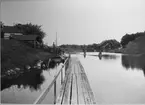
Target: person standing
pixel 100 54
pixel 84 50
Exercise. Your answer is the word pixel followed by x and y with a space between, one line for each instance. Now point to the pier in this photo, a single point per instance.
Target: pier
pixel 75 88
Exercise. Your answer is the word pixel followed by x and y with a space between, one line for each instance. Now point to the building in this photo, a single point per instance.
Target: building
pixel 11 32
pixel 8 31
pixel 33 39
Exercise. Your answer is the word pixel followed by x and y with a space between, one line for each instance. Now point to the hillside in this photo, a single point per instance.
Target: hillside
pixel 136 47
pixel 18 54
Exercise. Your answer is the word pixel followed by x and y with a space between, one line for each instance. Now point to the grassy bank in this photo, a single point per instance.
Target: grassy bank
pixel 136 47
pixel 18 54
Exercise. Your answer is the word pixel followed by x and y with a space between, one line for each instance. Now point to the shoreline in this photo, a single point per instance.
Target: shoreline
pixel 18 57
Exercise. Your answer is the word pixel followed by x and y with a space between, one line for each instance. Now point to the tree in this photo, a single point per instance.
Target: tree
pixel 126 39
pixel 109 44
pixel 130 37
pixel 2 25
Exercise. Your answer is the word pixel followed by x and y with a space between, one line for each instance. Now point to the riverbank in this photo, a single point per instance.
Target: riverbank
pixel 136 46
pixel 17 56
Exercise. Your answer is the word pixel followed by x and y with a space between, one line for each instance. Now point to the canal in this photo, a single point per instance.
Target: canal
pixel 114 79
pixel 29 86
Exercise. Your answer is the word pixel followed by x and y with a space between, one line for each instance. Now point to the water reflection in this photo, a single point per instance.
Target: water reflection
pixel 111 83
pixel 84 55
pixel 134 61
pixel 107 56
pixel 32 80
pixel 100 57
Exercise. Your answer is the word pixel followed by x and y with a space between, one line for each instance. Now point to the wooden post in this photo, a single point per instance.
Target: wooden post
pixel 55 92
pixel 65 66
pixel 61 76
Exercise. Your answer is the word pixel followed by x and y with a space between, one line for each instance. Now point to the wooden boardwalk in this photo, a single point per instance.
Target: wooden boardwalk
pixel 75 88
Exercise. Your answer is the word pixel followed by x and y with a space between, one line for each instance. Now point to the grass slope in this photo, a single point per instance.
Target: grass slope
pixel 18 54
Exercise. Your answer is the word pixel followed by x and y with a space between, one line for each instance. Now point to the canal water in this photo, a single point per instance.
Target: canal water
pixel 114 79
pixel 28 87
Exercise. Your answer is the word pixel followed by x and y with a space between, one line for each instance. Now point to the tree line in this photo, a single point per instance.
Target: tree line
pixel 104 45
pixel 130 37
pixel 107 45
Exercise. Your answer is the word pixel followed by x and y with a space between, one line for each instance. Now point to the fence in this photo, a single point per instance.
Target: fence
pixel 44 93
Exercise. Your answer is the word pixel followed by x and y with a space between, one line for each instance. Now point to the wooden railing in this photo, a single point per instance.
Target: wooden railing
pixel 44 93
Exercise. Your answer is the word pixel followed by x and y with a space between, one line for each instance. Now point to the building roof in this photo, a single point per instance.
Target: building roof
pixel 25 37
pixel 11 29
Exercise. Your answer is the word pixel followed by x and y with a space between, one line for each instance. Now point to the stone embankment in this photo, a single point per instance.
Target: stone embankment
pixel 38 65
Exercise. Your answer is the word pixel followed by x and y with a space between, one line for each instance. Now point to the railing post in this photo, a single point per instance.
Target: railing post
pixel 65 67
pixel 61 76
pixel 55 92
pixel 44 93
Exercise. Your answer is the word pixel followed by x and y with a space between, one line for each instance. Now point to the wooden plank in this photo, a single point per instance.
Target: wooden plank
pixel 85 93
pixel 90 93
pixel 90 98
pixel 76 88
pixel 74 95
pixel 79 87
pixel 62 90
pixel 67 93
pixel 60 96
pixel 64 93
pixel 83 89
pixel 84 85
pixel 87 97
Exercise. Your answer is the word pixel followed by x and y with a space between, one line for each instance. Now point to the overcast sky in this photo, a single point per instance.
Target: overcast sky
pixel 78 21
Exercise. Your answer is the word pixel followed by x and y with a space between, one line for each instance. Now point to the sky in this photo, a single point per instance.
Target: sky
pixel 77 21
